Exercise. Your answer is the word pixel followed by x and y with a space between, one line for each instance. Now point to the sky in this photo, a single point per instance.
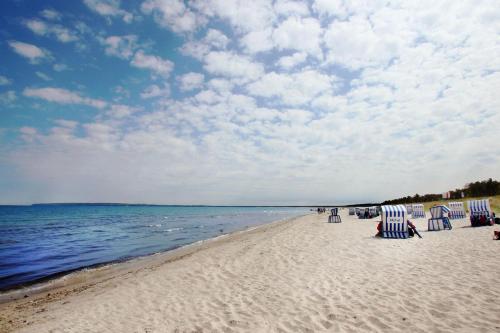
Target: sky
pixel 240 102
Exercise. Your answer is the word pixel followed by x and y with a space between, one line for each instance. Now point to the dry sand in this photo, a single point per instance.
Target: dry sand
pixel 303 275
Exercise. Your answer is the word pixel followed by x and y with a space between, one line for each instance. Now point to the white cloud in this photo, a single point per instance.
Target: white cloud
pixel 28 133
pixel 213 40
pixel 66 123
pixel 244 15
pixel 32 52
pixel 41 28
pixel 232 65
pixel 191 81
pixel 120 46
pixel 154 90
pixel 121 111
pixel 109 8
pixel 62 96
pixel 291 7
pixel 331 8
pixel 257 41
pixel 8 97
pixel 221 85
pixel 366 46
pixel 173 14
pixel 4 81
pixel 51 14
pixel 43 76
pixel 156 64
pixel 292 89
pixel 294 29
pixel 288 62
pixel 60 67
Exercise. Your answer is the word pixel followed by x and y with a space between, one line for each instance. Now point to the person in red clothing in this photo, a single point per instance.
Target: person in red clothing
pixel 482 219
pixel 379 230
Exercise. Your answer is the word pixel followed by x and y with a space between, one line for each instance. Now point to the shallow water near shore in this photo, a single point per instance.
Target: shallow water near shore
pixel 43 241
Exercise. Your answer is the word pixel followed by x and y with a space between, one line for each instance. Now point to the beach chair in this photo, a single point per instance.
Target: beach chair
pixel 408 208
pixel 480 210
pixel 394 223
pixel 373 211
pixel 334 217
pixel 457 210
pixel 357 210
pixel 364 213
pixel 417 211
pixel 352 211
pixel 439 220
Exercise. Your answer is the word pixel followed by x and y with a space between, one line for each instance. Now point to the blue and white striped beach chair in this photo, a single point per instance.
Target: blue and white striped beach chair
pixel 439 220
pixel 394 223
pixel 457 210
pixel 408 208
pixel 334 217
pixel 478 208
pixel 417 211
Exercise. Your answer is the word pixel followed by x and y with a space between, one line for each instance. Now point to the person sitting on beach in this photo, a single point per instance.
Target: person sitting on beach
pixel 482 219
pixel 411 228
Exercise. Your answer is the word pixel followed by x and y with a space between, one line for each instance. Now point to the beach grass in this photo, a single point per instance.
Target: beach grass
pixel 494 202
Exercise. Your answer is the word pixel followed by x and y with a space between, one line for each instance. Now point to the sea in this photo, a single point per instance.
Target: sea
pixel 40 242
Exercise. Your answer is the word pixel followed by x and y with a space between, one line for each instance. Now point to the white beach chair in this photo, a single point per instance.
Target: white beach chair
pixel 439 220
pixel 479 208
pixel 352 211
pixel 373 211
pixel 457 210
pixel 408 208
pixel 334 217
pixel 417 211
pixel 394 223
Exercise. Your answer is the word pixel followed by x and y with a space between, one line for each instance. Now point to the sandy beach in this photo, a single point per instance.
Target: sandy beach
pixel 299 275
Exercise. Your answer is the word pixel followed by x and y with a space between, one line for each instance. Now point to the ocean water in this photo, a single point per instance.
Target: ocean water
pixel 42 241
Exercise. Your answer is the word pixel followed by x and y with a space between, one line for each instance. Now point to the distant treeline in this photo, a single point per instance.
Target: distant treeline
pixel 478 189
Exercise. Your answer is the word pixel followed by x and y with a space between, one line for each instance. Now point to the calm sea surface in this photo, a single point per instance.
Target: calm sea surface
pixel 41 241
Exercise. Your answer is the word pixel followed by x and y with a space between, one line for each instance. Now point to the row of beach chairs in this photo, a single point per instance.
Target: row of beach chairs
pixel 455 209
pixel 395 217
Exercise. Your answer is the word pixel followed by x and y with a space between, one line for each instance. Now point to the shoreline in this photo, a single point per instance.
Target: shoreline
pixel 108 270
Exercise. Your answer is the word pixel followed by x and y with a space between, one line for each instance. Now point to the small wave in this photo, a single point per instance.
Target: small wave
pixel 173 229
pixel 155 225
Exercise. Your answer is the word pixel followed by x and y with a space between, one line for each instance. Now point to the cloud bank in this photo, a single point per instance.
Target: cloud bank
pixel 278 102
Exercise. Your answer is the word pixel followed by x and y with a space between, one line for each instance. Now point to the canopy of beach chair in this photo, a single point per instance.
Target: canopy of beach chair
pixel 439 211
pixel 439 220
pixel 417 211
pixel 394 223
pixel 479 206
pixel 457 210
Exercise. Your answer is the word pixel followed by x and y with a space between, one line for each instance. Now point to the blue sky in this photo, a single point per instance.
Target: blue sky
pixel 239 102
